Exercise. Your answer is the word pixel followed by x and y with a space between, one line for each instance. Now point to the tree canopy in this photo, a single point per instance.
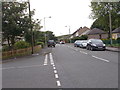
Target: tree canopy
pixel 100 12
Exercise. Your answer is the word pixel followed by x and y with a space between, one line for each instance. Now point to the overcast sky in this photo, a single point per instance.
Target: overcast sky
pixel 73 13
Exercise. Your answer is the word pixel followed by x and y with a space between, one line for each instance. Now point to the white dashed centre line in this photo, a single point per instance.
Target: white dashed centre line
pixel 55 71
pixel 54 68
pixel 56 76
pixel 58 83
pixel 100 58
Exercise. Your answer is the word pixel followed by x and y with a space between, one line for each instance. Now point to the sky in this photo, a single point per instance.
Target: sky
pixel 73 13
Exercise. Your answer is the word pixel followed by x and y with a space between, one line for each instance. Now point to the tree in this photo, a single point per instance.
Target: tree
pixel 50 35
pixel 100 12
pixel 14 20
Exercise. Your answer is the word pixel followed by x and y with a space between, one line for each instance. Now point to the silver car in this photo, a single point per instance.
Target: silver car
pixel 83 44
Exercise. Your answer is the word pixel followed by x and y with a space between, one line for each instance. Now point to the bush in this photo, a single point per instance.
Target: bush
pixel 21 44
pixel 40 43
pixel 5 48
pixel 83 37
pixel 118 40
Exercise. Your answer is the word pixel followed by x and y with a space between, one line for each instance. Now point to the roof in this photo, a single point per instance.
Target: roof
pixel 96 31
pixel 117 30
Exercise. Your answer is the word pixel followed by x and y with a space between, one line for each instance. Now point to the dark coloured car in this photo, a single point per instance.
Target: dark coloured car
pixel 95 44
pixel 51 43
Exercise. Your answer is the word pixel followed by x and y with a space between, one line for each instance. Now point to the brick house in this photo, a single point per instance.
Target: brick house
pixel 116 33
pixel 79 32
pixel 97 34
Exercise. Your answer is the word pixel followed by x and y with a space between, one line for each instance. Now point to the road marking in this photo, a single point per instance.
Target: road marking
pixel 55 71
pixel 53 65
pixel 100 58
pixel 54 68
pixel 51 59
pixel 83 52
pixel 56 76
pixel 58 83
pixel 46 59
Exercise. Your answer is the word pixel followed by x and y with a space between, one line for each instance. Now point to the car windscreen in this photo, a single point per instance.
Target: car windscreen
pixel 79 42
pixel 84 41
pixel 97 41
pixel 51 41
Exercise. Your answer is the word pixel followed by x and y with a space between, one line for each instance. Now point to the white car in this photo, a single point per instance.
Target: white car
pixel 83 44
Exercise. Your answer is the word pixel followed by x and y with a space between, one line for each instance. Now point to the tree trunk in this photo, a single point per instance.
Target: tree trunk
pixel 12 41
pixel 8 40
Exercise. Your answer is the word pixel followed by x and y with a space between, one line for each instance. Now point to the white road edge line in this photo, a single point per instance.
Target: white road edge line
pixel 100 58
pixel 46 59
pixel 58 83
pixel 56 76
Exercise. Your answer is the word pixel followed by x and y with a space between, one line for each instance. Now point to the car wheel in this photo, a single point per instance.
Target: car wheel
pixel 87 47
pixel 91 48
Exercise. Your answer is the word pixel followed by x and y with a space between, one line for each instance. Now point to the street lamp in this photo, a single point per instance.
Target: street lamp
pixel 45 30
pixel 69 33
pixel 30 26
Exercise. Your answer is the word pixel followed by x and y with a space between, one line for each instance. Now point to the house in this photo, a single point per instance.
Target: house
pixel 97 34
pixel 79 32
pixel 116 33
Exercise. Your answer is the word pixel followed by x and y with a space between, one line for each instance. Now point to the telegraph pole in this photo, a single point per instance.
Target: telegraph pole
pixel 31 27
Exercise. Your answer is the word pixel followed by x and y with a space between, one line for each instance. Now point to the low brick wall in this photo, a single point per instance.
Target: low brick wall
pixel 19 52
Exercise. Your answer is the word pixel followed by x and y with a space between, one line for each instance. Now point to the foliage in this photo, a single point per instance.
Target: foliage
pixel 50 35
pixel 41 43
pixel 5 48
pixel 83 37
pixel 16 22
pixel 21 44
pixel 100 12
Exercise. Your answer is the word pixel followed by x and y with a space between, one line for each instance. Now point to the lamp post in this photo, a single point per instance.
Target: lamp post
pixel 69 33
pixel 45 30
pixel 30 27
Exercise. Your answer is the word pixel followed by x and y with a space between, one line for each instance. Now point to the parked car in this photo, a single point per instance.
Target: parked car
pixel 77 43
pixel 51 43
pixel 83 44
pixel 95 44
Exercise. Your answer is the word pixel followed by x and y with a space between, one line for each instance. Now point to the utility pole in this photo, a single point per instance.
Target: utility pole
pixel 110 24
pixel 31 27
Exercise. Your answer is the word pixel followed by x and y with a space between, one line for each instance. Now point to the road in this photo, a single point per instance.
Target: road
pixel 64 66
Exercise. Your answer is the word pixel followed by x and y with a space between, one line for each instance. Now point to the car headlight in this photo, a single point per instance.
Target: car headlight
pixel 103 44
pixel 93 45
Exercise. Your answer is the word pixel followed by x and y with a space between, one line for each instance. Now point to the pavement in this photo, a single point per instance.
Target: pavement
pixel 113 49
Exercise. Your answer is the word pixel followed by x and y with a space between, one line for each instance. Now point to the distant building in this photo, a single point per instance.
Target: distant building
pixel 116 33
pixel 79 32
pixel 97 34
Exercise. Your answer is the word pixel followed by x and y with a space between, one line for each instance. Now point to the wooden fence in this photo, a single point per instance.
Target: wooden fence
pixel 19 52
